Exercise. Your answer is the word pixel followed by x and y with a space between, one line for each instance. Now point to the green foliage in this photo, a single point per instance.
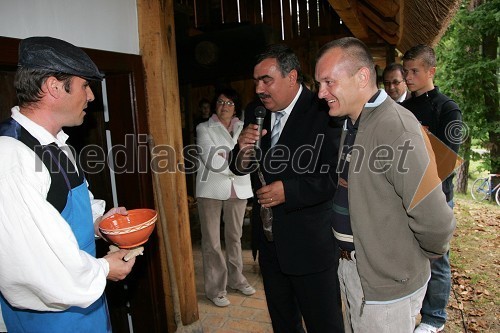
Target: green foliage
pixel 463 72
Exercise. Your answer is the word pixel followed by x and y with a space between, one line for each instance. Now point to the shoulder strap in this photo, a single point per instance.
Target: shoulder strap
pixel 437 108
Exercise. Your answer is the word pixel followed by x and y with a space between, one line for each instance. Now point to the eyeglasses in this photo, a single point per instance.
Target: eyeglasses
pixel 395 83
pixel 228 103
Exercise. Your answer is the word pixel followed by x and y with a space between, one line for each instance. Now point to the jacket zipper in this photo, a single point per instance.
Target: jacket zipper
pixel 362 306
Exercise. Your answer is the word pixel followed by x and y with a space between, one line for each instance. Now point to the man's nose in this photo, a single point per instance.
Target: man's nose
pixel 259 87
pixel 321 91
pixel 90 95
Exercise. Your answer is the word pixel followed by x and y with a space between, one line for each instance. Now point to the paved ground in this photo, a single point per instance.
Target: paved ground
pixel 245 314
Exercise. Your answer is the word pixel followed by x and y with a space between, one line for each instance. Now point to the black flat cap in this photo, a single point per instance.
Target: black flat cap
pixel 57 55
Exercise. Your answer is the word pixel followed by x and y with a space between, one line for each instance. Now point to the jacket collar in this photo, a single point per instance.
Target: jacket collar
pixel 369 108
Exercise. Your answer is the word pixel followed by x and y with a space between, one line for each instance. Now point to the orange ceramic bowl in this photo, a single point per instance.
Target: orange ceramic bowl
pixel 128 231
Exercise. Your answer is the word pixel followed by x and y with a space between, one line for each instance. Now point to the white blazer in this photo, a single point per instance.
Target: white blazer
pixel 213 178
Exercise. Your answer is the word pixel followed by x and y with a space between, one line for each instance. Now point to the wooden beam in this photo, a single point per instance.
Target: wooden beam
pixel 347 11
pixel 387 8
pixel 390 54
pixel 388 26
pixel 158 50
pixel 288 22
pixel 391 39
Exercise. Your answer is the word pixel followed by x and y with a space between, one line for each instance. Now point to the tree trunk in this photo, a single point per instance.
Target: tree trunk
pixel 490 45
pixel 462 179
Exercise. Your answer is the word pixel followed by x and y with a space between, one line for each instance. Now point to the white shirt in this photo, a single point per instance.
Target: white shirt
pixel 41 265
pixel 402 98
pixel 287 112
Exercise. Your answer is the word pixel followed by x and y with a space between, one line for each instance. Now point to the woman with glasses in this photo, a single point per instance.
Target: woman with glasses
pixel 218 191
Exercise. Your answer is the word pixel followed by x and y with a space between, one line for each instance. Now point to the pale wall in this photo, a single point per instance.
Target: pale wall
pixel 109 25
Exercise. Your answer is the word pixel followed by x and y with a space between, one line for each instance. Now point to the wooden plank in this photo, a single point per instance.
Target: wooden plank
pixel 387 8
pixel 158 50
pixel 390 54
pixel 304 30
pixel 294 20
pixel 329 21
pixel 202 13
pixel 272 16
pixel 391 39
pixel 267 10
pixel 246 11
pixel 313 16
pixel 349 15
pixel 230 11
pixel 388 26
pixel 252 10
pixel 288 20
pixel 276 17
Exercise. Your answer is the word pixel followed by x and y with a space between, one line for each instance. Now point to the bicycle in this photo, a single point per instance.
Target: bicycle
pixel 481 189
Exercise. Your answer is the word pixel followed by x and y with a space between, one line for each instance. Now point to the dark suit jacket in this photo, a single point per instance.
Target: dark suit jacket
pixel 302 225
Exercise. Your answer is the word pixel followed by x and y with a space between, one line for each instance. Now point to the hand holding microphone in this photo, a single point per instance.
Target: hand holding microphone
pixel 249 138
pixel 260 114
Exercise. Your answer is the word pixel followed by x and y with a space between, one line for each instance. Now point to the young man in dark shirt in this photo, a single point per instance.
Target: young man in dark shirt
pixel 442 117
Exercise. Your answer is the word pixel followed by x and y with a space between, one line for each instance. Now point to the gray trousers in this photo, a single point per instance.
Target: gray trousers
pixel 220 271
pixel 396 317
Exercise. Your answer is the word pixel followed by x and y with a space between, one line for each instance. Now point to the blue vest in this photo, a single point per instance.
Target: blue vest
pixel 76 210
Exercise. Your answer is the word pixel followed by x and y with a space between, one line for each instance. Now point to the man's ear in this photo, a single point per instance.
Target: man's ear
pixel 432 71
pixel 52 86
pixel 292 76
pixel 363 76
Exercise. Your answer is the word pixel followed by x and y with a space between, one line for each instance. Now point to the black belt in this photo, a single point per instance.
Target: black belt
pixel 345 254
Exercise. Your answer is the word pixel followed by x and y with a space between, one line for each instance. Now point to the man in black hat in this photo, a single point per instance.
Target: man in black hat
pixel 50 280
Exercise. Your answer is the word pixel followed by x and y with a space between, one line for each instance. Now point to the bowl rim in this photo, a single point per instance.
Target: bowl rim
pixel 129 229
pixel 132 227
pixel 140 226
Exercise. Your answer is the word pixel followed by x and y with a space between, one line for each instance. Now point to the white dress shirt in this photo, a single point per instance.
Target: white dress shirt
pixel 402 98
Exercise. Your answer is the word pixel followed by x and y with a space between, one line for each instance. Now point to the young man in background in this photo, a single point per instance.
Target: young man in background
pixel 440 116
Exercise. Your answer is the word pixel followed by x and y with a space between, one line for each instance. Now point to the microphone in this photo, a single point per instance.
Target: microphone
pixel 260 114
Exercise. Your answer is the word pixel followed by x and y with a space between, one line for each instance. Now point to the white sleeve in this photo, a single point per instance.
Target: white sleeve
pixel 41 265
pixel 98 206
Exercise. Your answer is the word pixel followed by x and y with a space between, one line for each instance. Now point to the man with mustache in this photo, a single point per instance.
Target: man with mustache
pixel 298 256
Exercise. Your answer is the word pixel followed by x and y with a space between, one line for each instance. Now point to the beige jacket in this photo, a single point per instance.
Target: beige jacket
pixel 398 212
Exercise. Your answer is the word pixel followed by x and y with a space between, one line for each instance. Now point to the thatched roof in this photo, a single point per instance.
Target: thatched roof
pixel 425 21
pixel 402 23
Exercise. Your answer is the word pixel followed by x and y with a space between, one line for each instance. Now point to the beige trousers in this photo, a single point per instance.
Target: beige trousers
pixel 220 271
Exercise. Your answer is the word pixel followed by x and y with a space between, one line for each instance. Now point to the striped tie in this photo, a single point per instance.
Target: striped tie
pixel 275 134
